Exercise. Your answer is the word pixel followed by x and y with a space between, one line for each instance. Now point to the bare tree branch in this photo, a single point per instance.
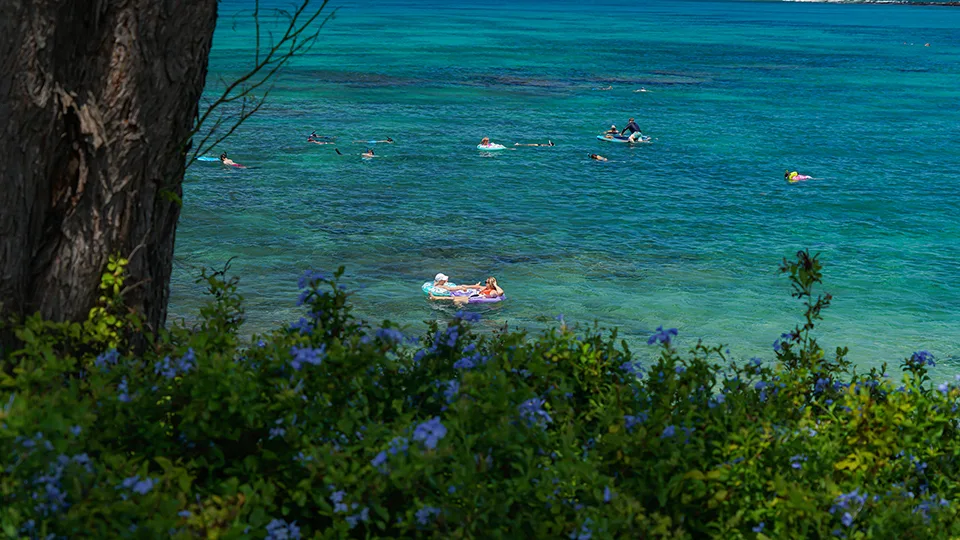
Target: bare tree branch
pixel 302 30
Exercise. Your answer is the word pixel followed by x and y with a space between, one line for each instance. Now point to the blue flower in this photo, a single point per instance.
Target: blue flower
pixel 451 391
pixel 633 368
pixel 123 391
pixel 364 516
pixel 759 528
pixel 756 361
pixel 107 359
pixel 75 430
pixel 776 345
pixel 584 533
pixel 467 316
pixel 921 358
pixel 427 514
pixel 400 444
pixel 796 461
pixel 533 413
pixel 430 432
pixel 944 388
pixel 679 369
pixel 631 421
pixel 171 369
pixel 144 486
pixel 470 362
pixel 560 318
pixel 716 400
pixel 308 279
pixel 668 431
pixel 607 494
pixel 307 355
pixel 853 500
pixel 390 335
pixel 662 336
pixel 281 530
pixel 304 326
pixel 847 519
pixel 277 432
pixel 184 513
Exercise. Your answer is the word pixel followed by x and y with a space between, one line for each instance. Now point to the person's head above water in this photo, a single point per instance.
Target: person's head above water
pixel 630 120
pixel 440 279
pixel 389 139
pixel 485 140
pixel 223 156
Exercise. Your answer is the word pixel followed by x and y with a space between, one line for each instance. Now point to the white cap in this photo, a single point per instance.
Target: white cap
pixel 441 277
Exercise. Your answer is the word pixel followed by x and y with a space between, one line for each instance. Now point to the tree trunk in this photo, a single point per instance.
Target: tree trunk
pixel 97 99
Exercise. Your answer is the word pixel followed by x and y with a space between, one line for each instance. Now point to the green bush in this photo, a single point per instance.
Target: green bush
pixel 334 428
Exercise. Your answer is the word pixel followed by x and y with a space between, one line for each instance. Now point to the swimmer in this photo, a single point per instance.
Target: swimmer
pixel 314 138
pixel 794 177
pixel 485 141
pixel 597 157
pixel 227 161
pixel 368 154
pixel 642 89
pixel 549 143
pixel 612 131
pixel 387 141
pixel 604 89
pixel 491 290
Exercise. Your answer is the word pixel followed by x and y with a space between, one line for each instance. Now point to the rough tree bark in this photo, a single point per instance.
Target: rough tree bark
pixel 97 98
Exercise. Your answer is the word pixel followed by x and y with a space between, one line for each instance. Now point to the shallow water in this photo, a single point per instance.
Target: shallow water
pixel 686 232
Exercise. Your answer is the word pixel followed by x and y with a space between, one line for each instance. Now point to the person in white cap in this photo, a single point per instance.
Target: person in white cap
pixel 442 286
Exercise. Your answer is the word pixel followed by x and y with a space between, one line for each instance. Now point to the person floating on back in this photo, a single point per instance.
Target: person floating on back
pixel 320 139
pixel 388 140
pixel 597 157
pixel 368 154
pixel 227 161
pixel 549 143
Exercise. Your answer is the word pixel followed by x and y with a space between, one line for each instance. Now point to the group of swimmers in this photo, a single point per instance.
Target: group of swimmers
pixel 636 135
pixel 461 294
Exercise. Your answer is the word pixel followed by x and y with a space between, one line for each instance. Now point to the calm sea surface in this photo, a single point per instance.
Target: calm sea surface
pixel 686 232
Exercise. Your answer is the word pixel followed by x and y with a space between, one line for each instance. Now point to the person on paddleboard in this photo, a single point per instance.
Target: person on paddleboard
pixel 634 129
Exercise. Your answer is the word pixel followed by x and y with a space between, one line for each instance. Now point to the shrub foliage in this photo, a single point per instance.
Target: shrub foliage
pixel 333 428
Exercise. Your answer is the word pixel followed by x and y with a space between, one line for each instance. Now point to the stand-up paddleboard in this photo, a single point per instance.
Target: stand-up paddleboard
pixel 207 158
pixel 622 139
pixel 493 146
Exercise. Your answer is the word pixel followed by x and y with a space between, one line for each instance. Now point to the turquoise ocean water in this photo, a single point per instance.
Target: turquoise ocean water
pixel 686 232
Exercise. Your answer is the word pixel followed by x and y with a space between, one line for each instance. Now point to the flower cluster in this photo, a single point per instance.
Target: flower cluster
pixel 430 432
pixel 662 336
pixel 307 355
pixel 281 530
pixel 397 445
pixel 178 367
pixel 921 358
pixel 533 413
pixel 427 514
pixel 107 359
pixel 136 485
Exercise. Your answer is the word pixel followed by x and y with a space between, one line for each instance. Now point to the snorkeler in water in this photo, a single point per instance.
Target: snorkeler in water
pixel 549 143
